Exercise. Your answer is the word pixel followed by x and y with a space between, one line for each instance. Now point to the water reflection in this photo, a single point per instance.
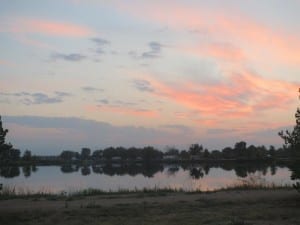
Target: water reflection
pixel 195 171
pixel 116 176
pixel 14 171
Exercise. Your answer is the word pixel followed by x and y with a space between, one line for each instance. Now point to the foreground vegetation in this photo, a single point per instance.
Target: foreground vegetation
pixel 250 183
pixel 231 207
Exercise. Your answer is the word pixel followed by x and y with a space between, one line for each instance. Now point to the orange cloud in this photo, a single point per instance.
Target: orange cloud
pixel 46 27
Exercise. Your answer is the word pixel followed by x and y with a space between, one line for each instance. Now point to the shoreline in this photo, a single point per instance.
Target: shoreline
pixel 11 192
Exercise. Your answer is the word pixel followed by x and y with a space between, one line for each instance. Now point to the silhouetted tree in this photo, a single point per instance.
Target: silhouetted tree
pixel 206 153
pixel 240 149
pixel 216 154
pixel 296 175
pixel 85 171
pixel 4 147
pixel 85 153
pixel 172 151
pixel 69 168
pixel 292 142
pixel 196 149
pixel 272 151
pixel 150 154
pixel 9 171
pixel 26 171
pixel 184 155
pixel 3 133
pixel 27 155
pixel 68 155
pixel 196 173
pixel 292 138
pixel 109 152
pixel 228 153
pixel 97 155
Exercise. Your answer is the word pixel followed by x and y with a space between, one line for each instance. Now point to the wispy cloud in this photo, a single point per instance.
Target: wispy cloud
pixel 38 98
pixel 103 101
pixel 218 131
pixel 92 89
pixel 178 128
pixel 143 85
pixel 45 27
pixel 116 103
pixel 73 57
pixel 123 110
pixel 155 50
pixel 101 43
pixel 122 107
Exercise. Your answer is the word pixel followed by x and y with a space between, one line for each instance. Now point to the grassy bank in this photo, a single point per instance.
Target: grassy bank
pixel 11 192
pixel 231 207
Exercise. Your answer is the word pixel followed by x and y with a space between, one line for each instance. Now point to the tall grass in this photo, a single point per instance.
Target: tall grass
pixel 254 182
pixel 250 183
pixel 92 191
pixel 9 191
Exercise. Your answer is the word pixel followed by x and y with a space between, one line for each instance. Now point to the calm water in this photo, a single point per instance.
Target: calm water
pixel 115 177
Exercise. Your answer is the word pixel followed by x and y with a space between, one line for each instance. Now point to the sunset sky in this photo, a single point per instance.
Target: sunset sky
pixel 97 73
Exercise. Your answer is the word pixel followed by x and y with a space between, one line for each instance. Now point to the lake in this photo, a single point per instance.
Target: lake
pixel 114 177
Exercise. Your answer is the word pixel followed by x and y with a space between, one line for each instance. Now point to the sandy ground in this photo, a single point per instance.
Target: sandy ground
pixel 251 207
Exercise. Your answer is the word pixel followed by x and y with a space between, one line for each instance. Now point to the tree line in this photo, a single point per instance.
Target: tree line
pixel 195 152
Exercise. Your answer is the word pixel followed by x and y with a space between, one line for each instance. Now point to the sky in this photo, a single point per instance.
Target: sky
pixel 97 73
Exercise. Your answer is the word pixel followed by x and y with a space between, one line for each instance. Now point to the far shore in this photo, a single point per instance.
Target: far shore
pixel 40 162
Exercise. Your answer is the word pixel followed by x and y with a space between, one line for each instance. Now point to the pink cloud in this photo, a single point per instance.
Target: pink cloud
pixel 236 96
pixel 222 51
pixel 46 27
